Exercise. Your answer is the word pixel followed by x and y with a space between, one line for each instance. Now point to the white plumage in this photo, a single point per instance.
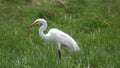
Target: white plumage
pixel 62 38
pixel 57 36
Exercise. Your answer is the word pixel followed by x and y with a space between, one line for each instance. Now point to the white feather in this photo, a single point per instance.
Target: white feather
pixel 63 38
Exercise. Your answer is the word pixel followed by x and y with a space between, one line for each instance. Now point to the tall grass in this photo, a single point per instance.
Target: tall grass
pixel 93 24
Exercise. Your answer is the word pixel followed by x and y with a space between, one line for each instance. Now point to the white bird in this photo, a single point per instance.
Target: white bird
pixel 57 36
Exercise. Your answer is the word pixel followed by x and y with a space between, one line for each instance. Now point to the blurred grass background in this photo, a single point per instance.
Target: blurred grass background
pixel 94 24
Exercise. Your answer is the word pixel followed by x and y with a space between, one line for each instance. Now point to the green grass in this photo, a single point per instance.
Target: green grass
pixel 93 24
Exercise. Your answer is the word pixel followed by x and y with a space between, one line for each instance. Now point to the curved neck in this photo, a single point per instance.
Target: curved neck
pixel 41 30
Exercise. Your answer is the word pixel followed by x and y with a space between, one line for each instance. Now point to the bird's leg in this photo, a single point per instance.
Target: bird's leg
pixel 59 53
pixel 59 50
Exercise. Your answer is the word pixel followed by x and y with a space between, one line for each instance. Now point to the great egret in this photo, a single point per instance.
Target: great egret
pixel 57 36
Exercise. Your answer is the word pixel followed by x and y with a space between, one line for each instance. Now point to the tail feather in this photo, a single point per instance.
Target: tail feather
pixel 74 47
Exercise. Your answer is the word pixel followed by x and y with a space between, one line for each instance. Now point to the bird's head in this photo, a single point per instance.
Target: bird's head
pixel 37 21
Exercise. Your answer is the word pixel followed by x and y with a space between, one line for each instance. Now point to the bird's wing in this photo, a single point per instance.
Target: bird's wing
pixel 64 38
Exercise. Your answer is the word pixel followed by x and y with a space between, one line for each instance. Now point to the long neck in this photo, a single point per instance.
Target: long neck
pixel 41 30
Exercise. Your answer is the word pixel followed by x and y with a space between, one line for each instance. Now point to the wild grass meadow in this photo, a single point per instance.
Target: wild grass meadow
pixel 94 24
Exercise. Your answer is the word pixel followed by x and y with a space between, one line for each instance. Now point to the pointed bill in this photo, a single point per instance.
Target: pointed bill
pixel 31 25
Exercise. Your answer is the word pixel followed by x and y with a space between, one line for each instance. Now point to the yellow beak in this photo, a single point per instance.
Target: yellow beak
pixel 31 25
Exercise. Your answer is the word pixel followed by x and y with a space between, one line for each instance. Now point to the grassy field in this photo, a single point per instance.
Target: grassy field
pixel 94 24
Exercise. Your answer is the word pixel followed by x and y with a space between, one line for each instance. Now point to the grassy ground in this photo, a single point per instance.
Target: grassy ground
pixel 94 24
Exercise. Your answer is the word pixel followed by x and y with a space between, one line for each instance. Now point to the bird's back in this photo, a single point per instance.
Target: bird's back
pixel 63 38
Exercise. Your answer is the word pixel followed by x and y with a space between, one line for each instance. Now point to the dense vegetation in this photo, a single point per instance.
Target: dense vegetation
pixel 94 24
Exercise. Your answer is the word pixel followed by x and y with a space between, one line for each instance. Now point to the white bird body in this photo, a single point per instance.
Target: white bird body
pixel 57 36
